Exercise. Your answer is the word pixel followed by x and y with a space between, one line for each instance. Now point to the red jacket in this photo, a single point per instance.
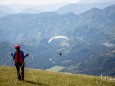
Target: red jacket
pixel 19 57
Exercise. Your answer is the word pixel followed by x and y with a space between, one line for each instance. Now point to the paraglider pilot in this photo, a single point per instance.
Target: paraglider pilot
pixel 60 54
pixel 18 58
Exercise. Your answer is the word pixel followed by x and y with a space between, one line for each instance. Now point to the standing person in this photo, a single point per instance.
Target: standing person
pixel 19 57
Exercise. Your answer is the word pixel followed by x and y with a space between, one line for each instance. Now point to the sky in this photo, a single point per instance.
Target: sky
pixel 37 2
pixel 44 2
pixel 96 1
pixel 19 5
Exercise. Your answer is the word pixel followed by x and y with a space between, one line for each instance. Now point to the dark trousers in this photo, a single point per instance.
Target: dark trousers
pixel 20 70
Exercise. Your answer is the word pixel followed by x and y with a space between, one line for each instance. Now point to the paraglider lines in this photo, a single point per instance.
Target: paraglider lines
pixel 6 61
pixel 32 75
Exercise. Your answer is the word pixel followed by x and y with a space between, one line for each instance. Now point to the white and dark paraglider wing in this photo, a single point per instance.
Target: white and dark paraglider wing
pixel 58 37
pixel 59 43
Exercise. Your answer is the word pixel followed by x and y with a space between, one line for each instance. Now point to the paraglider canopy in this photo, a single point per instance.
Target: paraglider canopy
pixel 59 43
pixel 58 37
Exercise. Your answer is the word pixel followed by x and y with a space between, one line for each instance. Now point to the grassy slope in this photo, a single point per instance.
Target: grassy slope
pixel 45 78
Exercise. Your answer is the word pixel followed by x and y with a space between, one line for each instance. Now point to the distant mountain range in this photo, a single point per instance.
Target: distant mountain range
pixel 79 8
pixel 91 35
pixel 4 10
pixel 31 9
pixel 62 8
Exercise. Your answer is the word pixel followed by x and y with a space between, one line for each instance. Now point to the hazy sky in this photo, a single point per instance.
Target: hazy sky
pixel 37 2
pixel 44 2
pixel 96 1
pixel 19 5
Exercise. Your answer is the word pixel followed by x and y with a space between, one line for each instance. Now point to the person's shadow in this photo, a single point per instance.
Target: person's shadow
pixel 35 83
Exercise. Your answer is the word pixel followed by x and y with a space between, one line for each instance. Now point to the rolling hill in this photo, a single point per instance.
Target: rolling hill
pixel 47 78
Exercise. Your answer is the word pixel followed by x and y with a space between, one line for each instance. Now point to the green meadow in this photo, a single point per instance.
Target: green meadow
pixel 35 77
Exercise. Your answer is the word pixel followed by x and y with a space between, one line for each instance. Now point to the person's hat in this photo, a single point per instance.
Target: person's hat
pixel 17 46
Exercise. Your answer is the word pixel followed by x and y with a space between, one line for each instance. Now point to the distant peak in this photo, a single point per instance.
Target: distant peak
pixel 70 13
pixel 95 9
